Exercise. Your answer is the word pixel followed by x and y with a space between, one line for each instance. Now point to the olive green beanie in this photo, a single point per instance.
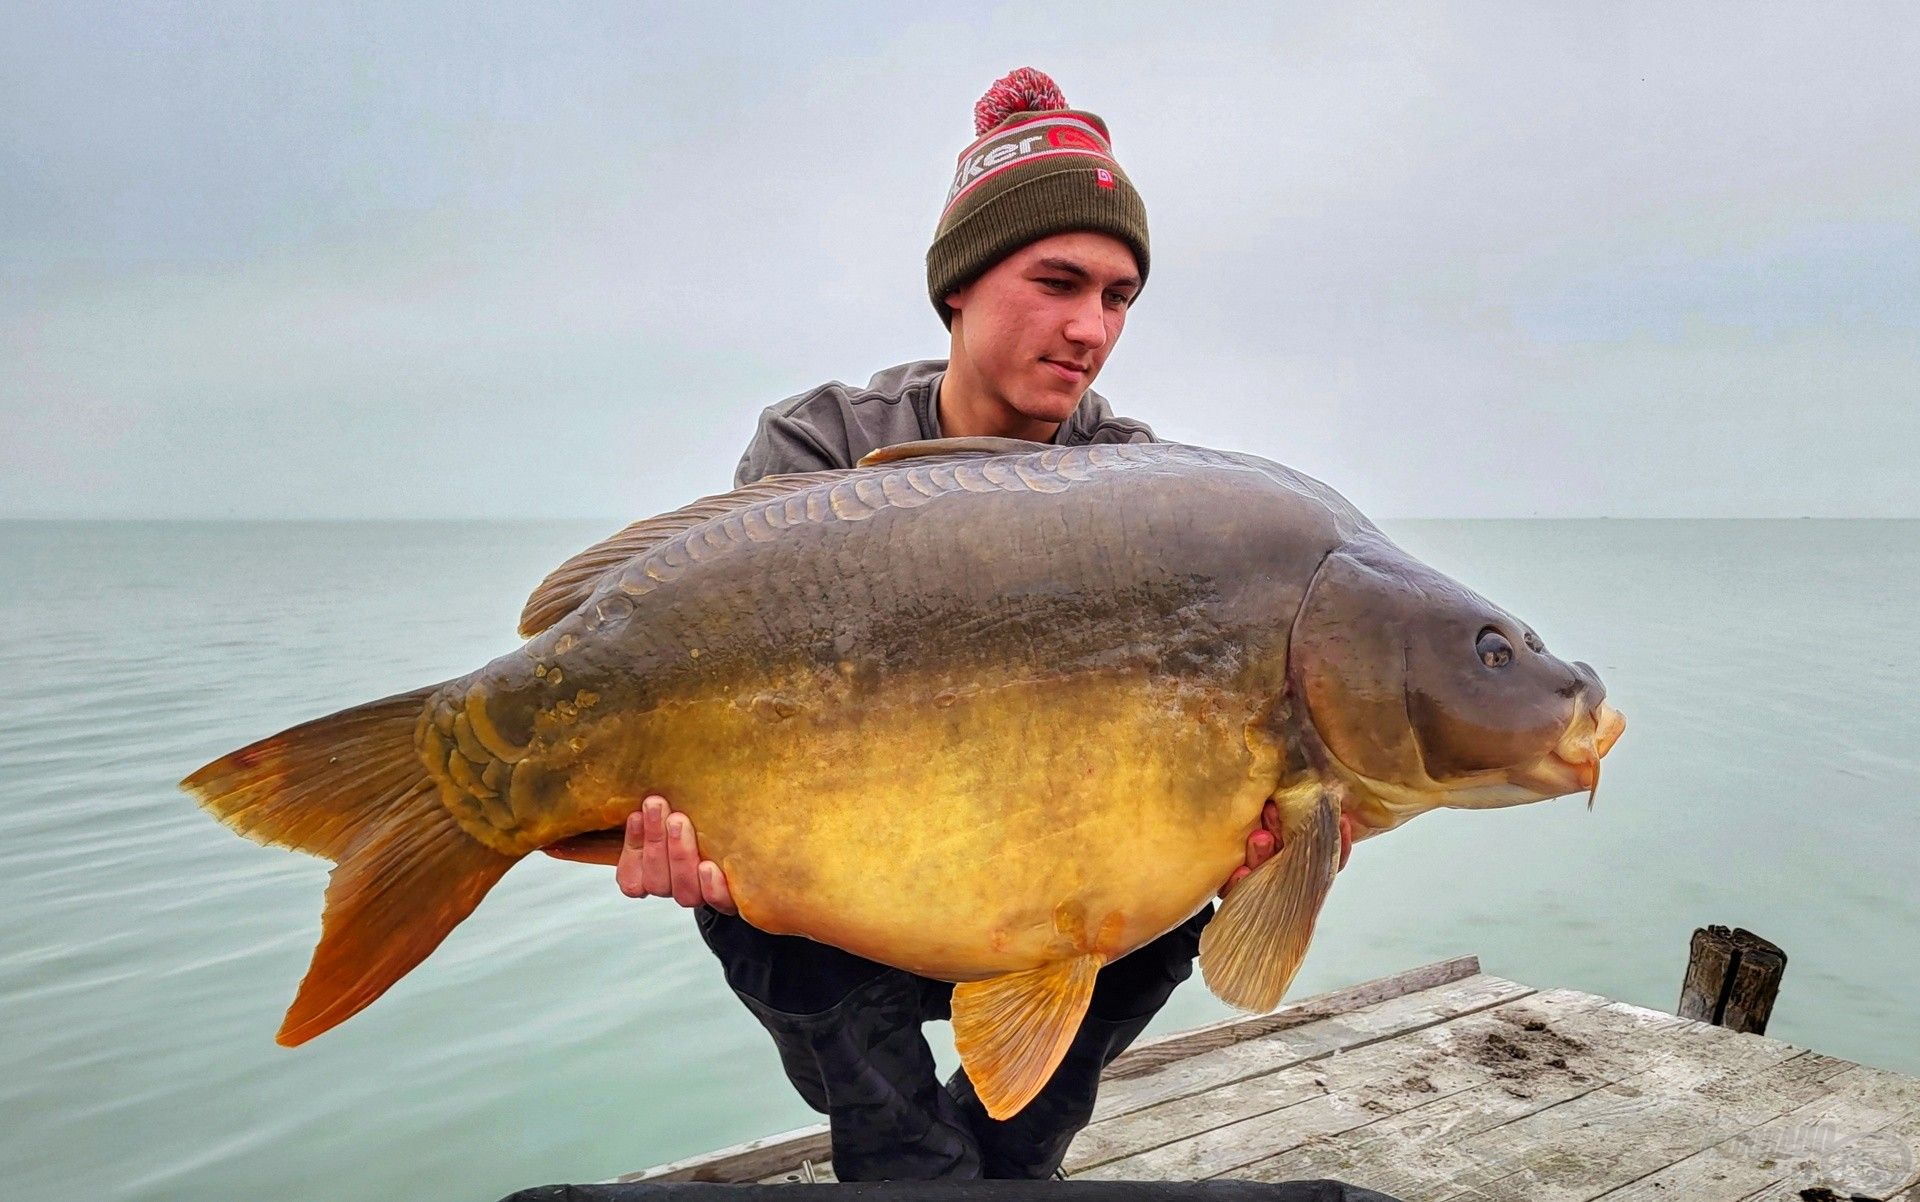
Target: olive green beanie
pixel 1037 169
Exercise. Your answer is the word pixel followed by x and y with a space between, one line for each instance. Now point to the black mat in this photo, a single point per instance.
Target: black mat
pixel 960 1191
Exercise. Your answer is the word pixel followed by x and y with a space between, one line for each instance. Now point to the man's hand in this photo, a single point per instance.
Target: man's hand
pixel 659 857
pixel 1266 839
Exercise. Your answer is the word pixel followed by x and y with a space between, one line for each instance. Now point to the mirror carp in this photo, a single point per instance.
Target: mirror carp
pixel 990 711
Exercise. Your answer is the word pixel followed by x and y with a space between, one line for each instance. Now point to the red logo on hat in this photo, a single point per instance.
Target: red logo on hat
pixel 1104 176
pixel 1066 136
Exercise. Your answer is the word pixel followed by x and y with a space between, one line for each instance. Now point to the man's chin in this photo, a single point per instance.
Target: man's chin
pixel 1054 404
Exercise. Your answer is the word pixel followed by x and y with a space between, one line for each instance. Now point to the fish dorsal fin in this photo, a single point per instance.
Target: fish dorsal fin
pixel 1011 1031
pixel 1253 947
pixel 952 446
pixel 570 584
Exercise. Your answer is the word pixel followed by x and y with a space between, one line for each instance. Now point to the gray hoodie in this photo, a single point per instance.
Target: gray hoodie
pixel 835 425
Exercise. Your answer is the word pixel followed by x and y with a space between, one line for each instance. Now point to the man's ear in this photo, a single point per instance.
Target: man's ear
pixel 957 298
pixel 955 301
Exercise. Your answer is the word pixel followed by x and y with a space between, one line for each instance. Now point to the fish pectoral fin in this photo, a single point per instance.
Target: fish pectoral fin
pixel 1253 947
pixel 973 445
pixel 593 847
pixel 1011 1031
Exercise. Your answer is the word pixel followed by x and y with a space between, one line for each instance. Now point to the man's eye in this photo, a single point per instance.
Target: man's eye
pixel 1057 285
pixel 1119 298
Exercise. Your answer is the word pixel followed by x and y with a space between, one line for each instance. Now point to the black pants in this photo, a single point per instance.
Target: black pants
pixel 848 1033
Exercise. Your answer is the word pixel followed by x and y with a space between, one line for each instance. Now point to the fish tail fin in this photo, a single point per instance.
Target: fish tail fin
pixel 351 787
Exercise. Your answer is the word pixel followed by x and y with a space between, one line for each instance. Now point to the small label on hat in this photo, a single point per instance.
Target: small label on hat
pixel 1104 176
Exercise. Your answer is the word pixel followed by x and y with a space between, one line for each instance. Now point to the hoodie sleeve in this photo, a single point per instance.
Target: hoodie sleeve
pixel 806 433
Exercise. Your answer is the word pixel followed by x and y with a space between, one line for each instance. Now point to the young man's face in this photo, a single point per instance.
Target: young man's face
pixel 1038 326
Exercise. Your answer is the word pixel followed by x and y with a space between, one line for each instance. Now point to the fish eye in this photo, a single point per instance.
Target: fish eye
pixel 1534 643
pixel 1493 648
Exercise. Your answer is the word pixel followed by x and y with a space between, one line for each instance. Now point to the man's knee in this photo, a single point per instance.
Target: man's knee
pixel 784 973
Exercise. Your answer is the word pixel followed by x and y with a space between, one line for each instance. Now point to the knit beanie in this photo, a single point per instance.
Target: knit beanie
pixel 1038 168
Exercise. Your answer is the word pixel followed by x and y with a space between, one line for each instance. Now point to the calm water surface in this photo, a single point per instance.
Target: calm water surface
pixel 1770 778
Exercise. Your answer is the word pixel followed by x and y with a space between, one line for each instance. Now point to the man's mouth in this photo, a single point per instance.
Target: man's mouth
pixel 1072 373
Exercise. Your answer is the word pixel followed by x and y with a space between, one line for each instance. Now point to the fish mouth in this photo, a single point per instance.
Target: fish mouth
pixel 1573 766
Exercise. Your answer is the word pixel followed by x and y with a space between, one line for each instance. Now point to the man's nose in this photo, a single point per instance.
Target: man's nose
pixel 1088 325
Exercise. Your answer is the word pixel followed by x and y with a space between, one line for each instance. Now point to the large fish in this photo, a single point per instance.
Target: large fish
pixel 990 711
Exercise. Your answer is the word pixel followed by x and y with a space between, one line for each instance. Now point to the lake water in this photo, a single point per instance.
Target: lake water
pixel 1769 778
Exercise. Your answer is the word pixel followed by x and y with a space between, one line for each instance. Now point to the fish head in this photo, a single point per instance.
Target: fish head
pixel 1425 694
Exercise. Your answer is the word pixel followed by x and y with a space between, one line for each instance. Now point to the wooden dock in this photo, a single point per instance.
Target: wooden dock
pixel 1446 1083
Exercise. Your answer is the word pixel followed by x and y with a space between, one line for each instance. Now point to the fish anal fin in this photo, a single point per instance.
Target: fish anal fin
pixel 568 586
pixel 1253 947
pixel 976 445
pixel 1011 1031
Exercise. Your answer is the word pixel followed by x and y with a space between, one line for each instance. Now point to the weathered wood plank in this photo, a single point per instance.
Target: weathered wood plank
pixel 1370 1024
pixel 1418 1062
pixel 750 1161
pixel 1537 1051
pixel 1845 1161
pixel 1486 1048
pixel 1555 1052
pixel 1475 1089
pixel 1377 1072
pixel 777 1155
pixel 1157 1054
pixel 1586 1145
pixel 1831 1140
pixel 810 1172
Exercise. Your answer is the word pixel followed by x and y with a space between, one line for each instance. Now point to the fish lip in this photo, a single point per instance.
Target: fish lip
pixel 1590 733
pixel 1573 766
pixel 1608 725
pixel 1586 773
pixel 1555 775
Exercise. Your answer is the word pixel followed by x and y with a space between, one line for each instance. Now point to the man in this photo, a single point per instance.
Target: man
pixel 1039 255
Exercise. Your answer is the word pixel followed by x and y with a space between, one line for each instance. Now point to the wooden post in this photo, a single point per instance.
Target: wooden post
pixel 1732 979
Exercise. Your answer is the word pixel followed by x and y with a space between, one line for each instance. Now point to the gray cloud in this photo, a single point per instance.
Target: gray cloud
pixel 1459 260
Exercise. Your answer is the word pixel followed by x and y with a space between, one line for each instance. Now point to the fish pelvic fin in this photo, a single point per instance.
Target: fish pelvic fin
pixel 351 787
pixel 1011 1031
pixel 1253 947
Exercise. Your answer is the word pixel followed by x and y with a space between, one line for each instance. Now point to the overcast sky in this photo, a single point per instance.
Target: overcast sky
pixel 409 260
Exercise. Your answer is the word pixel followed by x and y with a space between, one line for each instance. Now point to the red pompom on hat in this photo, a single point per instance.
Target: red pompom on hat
pixel 1021 90
pixel 1036 168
